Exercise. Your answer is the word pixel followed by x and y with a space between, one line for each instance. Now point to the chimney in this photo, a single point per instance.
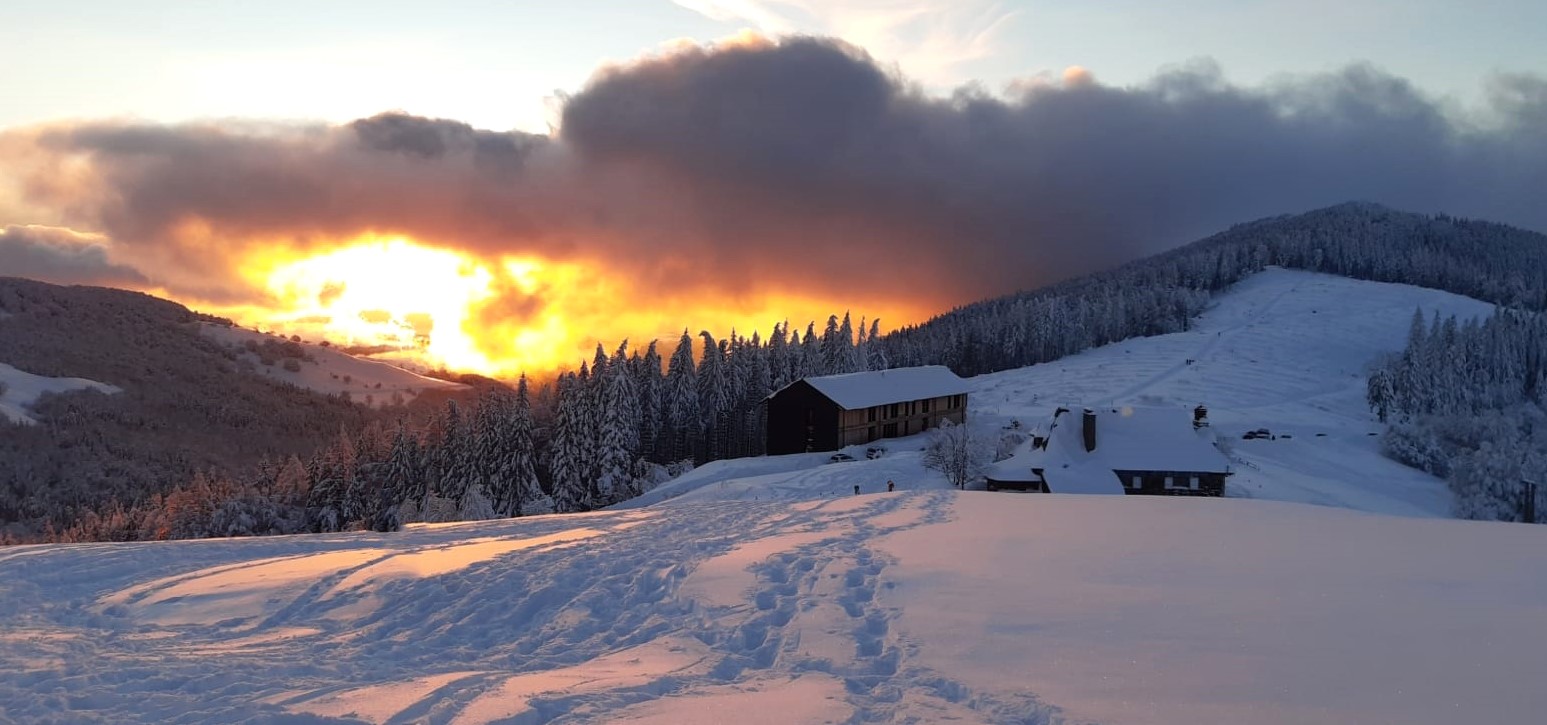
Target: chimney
pixel 1200 417
pixel 1038 442
pixel 1090 429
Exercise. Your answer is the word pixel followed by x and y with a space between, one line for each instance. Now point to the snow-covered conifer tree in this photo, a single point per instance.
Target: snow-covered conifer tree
pixel 684 424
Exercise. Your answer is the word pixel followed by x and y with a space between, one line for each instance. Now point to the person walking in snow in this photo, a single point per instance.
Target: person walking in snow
pixel 890 487
pixel 856 489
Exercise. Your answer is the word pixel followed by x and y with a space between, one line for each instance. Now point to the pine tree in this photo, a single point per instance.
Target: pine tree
pixel 810 354
pixel 400 481
pixel 683 419
pixel 528 496
pixel 779 357
pixel 713 397
pixel 649 383
pixel 618 434
pixel 455 456
pixel 875 352
pixel 570 489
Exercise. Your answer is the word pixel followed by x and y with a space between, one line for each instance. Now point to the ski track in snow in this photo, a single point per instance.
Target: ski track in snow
pixel 421 649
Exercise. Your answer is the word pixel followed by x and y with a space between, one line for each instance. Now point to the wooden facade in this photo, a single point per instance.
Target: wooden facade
pixel 802 419
pixel 894 420
pixel 1140 483
pixel 1172 483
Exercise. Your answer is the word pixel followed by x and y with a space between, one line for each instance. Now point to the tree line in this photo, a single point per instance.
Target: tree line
pixel 626 420
pixel 1465 402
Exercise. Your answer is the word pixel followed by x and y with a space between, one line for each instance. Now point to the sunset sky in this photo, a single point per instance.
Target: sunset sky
pixel 515 181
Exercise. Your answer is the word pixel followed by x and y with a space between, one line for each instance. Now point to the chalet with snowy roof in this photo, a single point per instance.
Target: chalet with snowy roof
pixel 1129 450
pixel 832 411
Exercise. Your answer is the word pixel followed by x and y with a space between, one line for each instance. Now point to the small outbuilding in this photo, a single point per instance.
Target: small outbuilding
pixel 828 412
pixel 1129 450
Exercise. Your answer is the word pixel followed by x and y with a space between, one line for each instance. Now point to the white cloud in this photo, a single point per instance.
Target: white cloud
pixel 929 39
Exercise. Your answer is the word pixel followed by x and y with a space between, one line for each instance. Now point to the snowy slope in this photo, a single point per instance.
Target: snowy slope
pixel 1283 350
pixel 22 389
pixel 915 606
pixel 332 372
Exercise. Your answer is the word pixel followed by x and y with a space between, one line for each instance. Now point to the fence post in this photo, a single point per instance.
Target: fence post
pixel 1528 501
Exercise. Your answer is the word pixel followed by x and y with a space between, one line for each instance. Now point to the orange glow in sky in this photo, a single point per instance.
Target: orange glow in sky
pixel 496 316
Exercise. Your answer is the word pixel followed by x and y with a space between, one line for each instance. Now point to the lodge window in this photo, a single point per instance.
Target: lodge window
pixel 870 414
pixel 1131 481
pixel 1182 483
pixel 926 406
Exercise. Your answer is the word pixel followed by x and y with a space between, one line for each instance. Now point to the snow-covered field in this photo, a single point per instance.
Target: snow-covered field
pixel 1283 350
pixel 332 372
pixel 922 606
pixel 21 389
pixel 763 590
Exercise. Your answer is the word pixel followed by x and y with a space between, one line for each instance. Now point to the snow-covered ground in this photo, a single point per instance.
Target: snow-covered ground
pixel 922 606
pixel 1283 350
pixel 331 372
pixel 21 389
pixel 763 590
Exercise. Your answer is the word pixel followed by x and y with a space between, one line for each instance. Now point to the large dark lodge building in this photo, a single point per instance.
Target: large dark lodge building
pixel 832 411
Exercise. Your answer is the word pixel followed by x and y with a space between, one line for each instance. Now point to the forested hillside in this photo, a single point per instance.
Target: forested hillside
pixel 1487 261
pixel 619 424
pixel 187 404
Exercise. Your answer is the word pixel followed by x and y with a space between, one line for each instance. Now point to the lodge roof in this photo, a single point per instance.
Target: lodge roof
pixel 853 391
pixel 1127 439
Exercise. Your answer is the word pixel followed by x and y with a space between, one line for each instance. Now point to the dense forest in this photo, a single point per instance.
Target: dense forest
pixel 1464 400
pixel 627 420
pixel 1161 294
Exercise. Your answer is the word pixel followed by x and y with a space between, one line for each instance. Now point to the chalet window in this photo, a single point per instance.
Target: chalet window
pixel 1181 483
pixel 905 426
pixel 870 414
pixel 926 405
pixel 1131 481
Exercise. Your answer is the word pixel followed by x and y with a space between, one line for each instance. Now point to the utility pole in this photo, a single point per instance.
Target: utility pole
pixel 1528 501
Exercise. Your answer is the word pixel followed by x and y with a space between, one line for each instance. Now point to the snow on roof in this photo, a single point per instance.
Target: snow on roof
pixel 1127 439
pixel 1133 439
pixel 853 391
pixel 1089 476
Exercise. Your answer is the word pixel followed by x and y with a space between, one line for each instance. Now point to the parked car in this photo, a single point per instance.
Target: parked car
pixel 1259 433
pixel 840 458
pixel 875 452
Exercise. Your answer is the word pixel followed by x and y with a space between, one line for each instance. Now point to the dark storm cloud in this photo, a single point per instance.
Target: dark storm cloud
pixel 62 257
pixel 803 164
pixel 794 145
